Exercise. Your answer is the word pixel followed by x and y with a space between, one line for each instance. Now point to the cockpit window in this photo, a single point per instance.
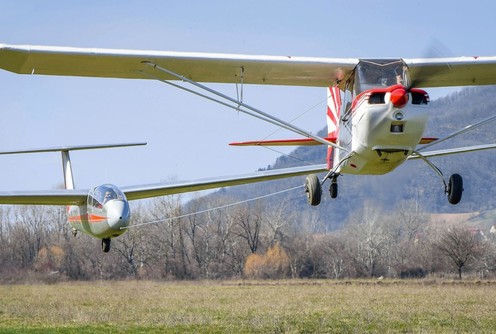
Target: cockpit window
pixel 379 73
pixel 104 193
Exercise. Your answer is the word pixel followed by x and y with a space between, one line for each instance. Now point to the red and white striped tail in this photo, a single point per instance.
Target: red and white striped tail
pixel 333 113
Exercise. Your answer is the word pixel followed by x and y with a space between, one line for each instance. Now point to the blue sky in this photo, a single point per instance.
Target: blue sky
pixel 187 137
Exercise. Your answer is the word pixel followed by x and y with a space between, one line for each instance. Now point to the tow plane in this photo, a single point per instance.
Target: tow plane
pixel 377 109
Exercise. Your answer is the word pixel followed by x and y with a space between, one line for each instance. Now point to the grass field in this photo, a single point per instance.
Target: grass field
pixel 250 307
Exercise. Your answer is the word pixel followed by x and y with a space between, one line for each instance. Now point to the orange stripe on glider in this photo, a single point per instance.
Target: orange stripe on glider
pixel 89 218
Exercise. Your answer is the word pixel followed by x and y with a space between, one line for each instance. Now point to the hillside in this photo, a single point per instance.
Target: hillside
pixel 412 181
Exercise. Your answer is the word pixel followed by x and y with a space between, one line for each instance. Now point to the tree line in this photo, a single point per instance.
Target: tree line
pixel 245 241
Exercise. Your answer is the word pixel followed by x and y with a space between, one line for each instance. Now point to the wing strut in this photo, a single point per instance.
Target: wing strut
pixel 257 113
pixel 459 132
pixel 424 156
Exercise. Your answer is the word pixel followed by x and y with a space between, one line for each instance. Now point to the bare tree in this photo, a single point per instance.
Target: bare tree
pixel 167 236
pixel 249 223
pixel 59 227
pixel 402 230
pixel 335 256
pixel 411 218
pixel 277 219
pixel 366 240
pixel 228 256
pixel 459 246
pixel 28 234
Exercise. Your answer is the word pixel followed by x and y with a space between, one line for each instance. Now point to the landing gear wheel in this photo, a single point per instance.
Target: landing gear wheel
pixel 455 189
pixel 313 189
pixel 333 189
pixel 106 245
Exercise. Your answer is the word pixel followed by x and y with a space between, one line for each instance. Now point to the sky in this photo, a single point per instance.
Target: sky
pixel 187 136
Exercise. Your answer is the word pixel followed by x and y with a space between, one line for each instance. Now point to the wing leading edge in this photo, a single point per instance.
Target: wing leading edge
pixel 201 67
pixel 78 197
pixel 51 197
pixel 162 189
pixel 226 68
pixel 453 71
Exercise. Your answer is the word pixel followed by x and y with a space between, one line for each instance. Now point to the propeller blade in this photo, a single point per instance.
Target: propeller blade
pixel 436 50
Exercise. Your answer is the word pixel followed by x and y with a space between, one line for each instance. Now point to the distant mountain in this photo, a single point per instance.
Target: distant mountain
pixel 412 181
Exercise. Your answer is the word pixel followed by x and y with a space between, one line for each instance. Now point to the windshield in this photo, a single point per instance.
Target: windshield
pixel 104 193
pixel 379 73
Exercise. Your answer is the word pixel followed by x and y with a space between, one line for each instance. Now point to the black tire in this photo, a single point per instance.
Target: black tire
pixel 455 189
pixel 333 189
pixel 313 189
pixel 106 245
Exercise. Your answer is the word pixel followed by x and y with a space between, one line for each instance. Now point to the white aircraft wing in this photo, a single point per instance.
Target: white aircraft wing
pixel 50 197
pixel 162 189
pixel 226 68
pixel 452 71
pixel 78 197
pixel 201 67
pixel 458 150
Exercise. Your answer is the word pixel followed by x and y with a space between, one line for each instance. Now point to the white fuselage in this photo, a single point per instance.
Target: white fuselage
pixel 99 217
pixel 379 134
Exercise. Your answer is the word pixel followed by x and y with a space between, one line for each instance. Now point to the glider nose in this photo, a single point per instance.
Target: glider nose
pixel 118 214
pixel 399 97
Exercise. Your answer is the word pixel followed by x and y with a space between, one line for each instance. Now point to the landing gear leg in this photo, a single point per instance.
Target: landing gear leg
pixel 333 189
pixel 454 188
pixel 106 245
pixel 313 189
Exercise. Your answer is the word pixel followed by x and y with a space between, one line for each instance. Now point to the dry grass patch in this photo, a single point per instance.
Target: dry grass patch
pixel 249 307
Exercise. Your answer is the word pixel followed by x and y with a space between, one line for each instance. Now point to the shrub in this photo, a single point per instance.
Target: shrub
pixel 271 265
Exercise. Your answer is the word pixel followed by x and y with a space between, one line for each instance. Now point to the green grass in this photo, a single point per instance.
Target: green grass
pixel 249 307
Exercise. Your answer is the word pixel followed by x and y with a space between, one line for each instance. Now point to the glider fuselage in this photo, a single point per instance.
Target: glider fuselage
pixel 105 214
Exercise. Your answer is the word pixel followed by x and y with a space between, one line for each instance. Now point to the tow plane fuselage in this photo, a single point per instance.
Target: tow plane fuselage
pixel 381 121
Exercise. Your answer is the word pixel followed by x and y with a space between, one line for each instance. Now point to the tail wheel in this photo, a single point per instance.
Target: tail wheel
pixel 313 189
pixel 106 245
pixel 455 189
